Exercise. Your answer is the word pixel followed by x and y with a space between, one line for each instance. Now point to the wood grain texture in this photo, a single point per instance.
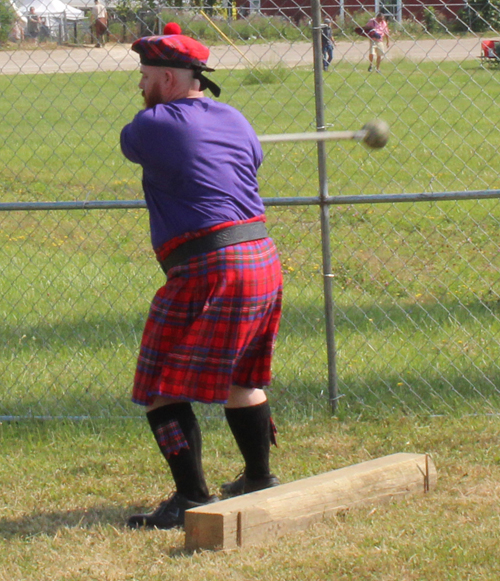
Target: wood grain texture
pixel 257 517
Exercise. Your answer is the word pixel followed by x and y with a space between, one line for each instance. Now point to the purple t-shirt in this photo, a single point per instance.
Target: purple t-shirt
pixel 200 160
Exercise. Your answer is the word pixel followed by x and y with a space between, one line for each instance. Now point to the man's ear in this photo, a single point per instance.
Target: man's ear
pixel 168 77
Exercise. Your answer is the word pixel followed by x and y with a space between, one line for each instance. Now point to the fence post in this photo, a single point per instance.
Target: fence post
pixel 324 206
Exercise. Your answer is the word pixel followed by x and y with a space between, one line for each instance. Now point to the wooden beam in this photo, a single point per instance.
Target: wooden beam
pixel 267 514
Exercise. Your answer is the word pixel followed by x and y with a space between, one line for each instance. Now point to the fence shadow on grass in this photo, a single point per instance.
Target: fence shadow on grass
pixel 308 320
pixel 466 391
pixel 85 365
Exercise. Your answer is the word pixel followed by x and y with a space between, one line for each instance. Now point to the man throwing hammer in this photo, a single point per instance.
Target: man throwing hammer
pixel 211 328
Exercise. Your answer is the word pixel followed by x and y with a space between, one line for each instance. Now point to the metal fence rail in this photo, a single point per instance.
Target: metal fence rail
pixel 405 240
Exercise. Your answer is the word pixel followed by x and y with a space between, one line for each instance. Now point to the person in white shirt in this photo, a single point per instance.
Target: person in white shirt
pixel 99 22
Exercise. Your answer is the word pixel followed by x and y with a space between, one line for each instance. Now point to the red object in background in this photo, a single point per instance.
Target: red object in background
pixel 488 49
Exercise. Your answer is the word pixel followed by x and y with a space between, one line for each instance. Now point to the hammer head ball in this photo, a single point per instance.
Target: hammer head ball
pixel 377 133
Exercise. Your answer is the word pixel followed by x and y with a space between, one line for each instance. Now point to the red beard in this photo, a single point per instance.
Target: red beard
pixel 153 98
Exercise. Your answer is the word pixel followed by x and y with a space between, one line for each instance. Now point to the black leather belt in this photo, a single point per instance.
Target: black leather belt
pixel 213 241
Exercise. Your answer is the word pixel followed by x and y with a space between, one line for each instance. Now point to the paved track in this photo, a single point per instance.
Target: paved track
pixel 118 57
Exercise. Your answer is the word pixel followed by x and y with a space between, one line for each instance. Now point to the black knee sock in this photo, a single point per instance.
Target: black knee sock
pixel 178 435
pixel 253 430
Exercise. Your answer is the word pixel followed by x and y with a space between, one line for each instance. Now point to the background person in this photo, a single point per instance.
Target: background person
pixel 34 23
pixel 99 22
pixel 44 30
pixel 377 29
pixel 17 31
pixel 327 43
pixel 211 328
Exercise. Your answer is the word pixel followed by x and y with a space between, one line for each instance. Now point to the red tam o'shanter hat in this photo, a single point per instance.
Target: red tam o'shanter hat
pixel 176 51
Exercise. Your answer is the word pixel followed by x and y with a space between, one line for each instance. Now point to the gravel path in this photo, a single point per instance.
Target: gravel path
pixel 117 57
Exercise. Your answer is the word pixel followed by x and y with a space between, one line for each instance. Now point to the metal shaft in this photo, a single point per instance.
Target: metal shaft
pixel 315 136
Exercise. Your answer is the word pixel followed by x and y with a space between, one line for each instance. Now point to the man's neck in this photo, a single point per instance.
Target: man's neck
pixel 195 94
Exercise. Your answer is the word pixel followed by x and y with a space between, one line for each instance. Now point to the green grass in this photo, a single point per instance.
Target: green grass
pixel 416 311
pixel 417 332
pixel 415 285
pixel 64 143
pixel 67 489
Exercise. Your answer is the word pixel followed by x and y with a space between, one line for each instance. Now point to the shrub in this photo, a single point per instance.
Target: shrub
pixel 433 21
pixel 7 19
pixel 481 16
pixel 410 27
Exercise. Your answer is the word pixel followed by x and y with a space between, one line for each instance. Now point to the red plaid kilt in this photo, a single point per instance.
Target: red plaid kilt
pixel 212 325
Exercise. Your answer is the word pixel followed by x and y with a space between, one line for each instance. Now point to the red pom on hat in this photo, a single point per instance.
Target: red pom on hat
pixel 172 28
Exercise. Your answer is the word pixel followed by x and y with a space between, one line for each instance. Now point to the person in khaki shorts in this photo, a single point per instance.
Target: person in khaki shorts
pixel 377 29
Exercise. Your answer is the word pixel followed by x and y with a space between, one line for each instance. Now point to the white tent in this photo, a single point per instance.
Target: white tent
pixel 51 8
pixel 55 15
pixel 88 4
pixel 19 12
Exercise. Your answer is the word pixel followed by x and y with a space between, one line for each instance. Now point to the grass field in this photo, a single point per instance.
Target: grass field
pixel 415 285
pixel 66 490
pixel 416 313
pixel 64 144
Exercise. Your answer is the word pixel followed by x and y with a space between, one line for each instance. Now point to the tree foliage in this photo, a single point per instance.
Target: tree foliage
pixel 7 19
pixel 482 15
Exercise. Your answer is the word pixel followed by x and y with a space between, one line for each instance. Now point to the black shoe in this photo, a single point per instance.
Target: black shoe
pixel 168 515
pixel 244 485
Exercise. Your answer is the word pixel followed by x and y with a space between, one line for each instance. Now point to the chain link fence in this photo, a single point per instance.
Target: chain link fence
pixel 412 230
